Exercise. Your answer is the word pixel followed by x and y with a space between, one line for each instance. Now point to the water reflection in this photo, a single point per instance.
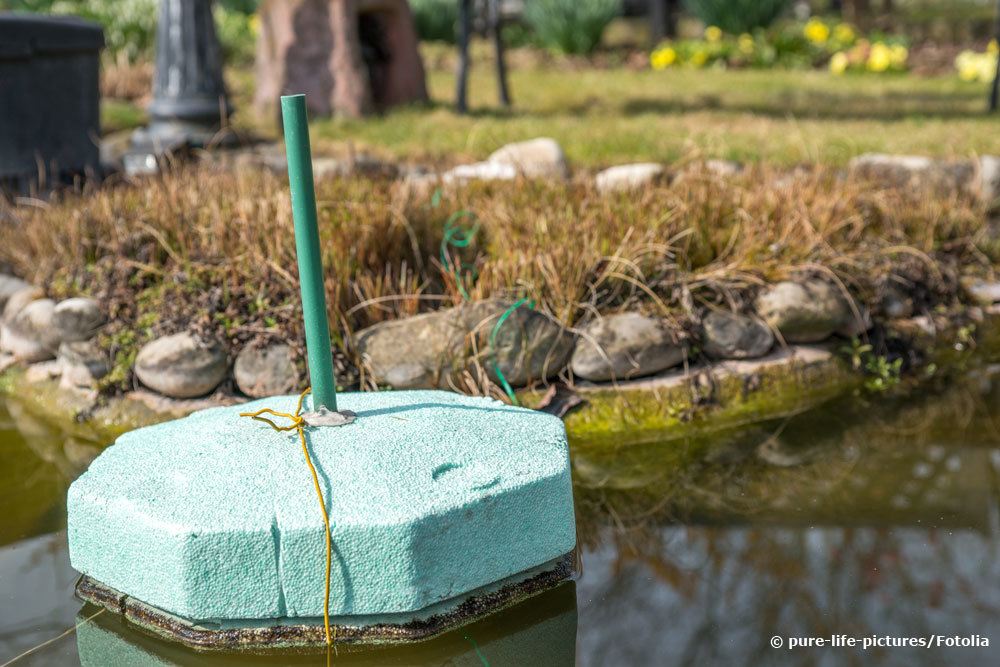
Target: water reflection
pixel 867 517
pixel 872 515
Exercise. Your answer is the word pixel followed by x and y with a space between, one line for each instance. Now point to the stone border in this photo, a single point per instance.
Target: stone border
pixel 481 603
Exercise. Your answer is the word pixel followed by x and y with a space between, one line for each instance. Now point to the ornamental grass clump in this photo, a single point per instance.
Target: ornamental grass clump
pixel 737 16
pixel 435 19
pixel 570 26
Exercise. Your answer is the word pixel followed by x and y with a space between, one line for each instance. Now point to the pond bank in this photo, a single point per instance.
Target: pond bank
pixel 677 404
pixel 658 299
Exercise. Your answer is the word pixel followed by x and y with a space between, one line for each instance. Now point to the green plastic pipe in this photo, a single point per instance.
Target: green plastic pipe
pixel 300 178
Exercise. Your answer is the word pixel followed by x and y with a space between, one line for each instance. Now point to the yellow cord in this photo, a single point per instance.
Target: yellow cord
pixel 298 424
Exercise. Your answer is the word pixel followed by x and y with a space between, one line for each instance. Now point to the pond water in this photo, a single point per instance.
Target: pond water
pixel 869 517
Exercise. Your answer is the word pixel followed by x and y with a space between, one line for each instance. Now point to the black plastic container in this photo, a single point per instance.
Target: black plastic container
pixel 49 100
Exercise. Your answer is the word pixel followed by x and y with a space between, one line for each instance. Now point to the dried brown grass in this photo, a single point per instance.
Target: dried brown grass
pixel 213 250
pixel 124 80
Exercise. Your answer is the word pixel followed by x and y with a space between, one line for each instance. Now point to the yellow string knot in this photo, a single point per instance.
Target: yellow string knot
pixel 298 423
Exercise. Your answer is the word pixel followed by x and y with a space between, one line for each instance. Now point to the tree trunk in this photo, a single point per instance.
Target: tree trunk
pixel 496 28
pixel 352 94
pixel 462 79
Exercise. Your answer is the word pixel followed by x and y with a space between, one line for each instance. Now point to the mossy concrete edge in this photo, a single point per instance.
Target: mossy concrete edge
pixel 674 405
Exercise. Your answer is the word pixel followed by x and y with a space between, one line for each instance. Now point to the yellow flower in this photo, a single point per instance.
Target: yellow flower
pixel 973 66
pixel 255 24
pixel 816 31
pixel 663 58
pixel 879 58
pixel 993 47
pixel 713 33
pixel 987 68
pixel 898 54
pixel 699 58
pixel 839 63
pixel 745 43
pixel 843 33
pixel 968 73
pixel 966 64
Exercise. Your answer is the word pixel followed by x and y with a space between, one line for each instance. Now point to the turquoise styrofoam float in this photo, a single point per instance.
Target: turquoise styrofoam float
pixel 431 495
pixel 442 508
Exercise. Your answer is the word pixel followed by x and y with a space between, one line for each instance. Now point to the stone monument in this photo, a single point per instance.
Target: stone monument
pixel 351 57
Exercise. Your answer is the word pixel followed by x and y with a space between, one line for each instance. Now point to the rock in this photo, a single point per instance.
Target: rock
pixel 20 299
pixel 83 363
pixel 895 304
pixel 988 181
pixel 912 171
pixel 536 158
pixel 479 171
pixel 624 346
pixel 629 177
pixel 529 346
pixel 415 352
pixel 430 350
pixel 804 312
pixel 361 165
pixel 420 186
pixel 733 336
pixel 181 366
pixel 273 159
pixel 266 371
pixel 723 168
pixel 9 286
pixel 77 319
pixel 43 371
pixel 984 293
pixel 312 47
pixel 29 334
pixel 856 324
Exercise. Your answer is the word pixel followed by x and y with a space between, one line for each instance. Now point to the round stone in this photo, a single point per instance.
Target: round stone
pixel 181 366
pixel 77 319
pixel 266 371
pixel 431 495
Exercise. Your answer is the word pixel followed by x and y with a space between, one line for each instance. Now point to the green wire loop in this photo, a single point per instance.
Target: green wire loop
pixel 493 346
pixel 458 237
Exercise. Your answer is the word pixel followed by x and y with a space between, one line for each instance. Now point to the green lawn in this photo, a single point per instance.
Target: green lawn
pixel 607 116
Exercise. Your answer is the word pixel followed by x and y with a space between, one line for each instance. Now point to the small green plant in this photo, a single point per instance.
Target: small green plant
pixel 856 353
pixel 570 26
pixel 737 16
pixel 435 19
pixel 880 373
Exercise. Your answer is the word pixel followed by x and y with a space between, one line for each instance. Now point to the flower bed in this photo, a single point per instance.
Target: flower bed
pixel 813 44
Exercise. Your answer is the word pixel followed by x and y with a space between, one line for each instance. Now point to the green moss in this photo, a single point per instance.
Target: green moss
pixel 73 413
pixel 691 410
